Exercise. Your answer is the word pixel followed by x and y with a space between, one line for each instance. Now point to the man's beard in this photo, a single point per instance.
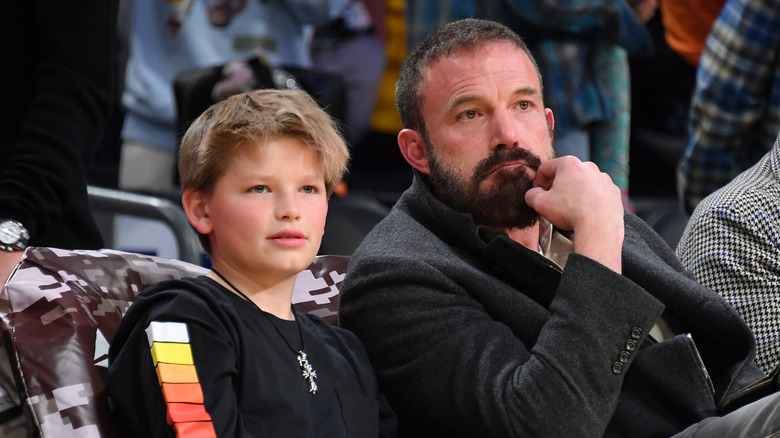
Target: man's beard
pixel 502 203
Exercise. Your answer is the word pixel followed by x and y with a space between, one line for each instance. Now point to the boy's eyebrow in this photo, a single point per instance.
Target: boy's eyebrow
pixel 272 176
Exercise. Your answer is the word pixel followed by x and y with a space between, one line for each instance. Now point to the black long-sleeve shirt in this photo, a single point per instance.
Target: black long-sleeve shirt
pixel 249 380
pixel 56 88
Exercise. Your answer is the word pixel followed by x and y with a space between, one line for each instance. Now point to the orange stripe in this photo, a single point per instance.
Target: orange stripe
pixel 195 430
pixel 182 392
pixel 174 373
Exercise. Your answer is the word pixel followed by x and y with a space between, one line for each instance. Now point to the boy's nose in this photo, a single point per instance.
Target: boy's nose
pixel 287 206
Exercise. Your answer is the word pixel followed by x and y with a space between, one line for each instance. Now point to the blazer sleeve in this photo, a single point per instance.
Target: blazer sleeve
pixel 438 352
pixel 731 247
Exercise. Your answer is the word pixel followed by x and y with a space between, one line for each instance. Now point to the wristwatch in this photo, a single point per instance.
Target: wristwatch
pixel 13 235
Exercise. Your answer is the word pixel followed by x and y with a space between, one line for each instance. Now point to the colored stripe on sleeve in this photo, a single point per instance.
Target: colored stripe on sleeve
pixel 167 332
pixel 171 353
pixel 195 430
pixel 182 392
pixel 186 413
pixel 173 373
pixel 169 344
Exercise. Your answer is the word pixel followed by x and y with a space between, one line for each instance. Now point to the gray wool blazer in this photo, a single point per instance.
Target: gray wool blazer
pixel 470 338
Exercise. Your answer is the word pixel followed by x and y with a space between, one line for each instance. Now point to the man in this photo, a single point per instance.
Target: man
pixel 58 83
pixel 507 294
pixel 582 48
pixel 730 245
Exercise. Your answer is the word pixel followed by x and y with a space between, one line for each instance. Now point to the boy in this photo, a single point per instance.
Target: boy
pixel 225 354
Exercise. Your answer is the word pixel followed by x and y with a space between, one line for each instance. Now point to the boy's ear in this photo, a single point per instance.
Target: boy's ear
pixel 196 208
pixel 413 149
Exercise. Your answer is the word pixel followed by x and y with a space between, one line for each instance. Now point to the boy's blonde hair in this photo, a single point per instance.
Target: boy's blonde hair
pixel 257 117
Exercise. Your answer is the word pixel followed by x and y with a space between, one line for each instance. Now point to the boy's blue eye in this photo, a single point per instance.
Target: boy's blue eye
pixel 309 189
pixel 259 189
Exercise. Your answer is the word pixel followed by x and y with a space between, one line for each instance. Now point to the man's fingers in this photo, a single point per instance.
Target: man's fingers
pixel 532 196
pixel 546 172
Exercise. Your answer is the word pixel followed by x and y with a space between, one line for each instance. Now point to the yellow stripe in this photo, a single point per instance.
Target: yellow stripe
pixel 171 353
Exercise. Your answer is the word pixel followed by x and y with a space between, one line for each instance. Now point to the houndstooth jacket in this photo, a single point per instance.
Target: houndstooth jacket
pixel 732 245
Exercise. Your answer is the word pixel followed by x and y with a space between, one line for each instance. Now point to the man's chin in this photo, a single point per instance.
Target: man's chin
pixel 525 222
pixel 505 212
pixel 518 221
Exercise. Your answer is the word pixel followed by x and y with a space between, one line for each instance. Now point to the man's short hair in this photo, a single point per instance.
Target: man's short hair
pixel 255 118
pixel 466 34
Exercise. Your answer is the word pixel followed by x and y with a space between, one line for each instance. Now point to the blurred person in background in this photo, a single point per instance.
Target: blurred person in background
pixel 730 245
pixel 170 36
pixel 58 79
pixel 735 111
pixel 353 47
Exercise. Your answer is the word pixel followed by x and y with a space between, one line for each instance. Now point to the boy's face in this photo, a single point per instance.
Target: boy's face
pixel 267 212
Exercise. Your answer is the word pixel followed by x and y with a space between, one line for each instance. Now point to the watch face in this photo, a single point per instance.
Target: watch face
pixel 10 232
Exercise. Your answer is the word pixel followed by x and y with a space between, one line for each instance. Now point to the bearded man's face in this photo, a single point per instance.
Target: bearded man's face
pixel 494 193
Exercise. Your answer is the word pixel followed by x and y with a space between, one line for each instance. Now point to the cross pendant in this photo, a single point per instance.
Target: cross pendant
pixel 307 371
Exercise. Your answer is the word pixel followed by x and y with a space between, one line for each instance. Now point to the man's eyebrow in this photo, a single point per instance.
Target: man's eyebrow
pixel 460 100
pixel 528 90
pixel 466 98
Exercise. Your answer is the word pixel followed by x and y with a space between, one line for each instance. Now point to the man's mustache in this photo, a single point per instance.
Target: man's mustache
pixel 504 155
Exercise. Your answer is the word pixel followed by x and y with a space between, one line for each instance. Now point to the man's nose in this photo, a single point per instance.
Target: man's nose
pixel 506 129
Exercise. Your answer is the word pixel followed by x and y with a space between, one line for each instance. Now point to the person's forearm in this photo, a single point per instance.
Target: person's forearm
pixel 602 243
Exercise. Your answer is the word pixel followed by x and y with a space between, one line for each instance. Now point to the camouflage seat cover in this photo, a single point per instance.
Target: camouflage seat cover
pixel 61 308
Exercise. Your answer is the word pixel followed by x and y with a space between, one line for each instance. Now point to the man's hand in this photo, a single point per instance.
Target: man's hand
pixel 8 261
pixel 577 196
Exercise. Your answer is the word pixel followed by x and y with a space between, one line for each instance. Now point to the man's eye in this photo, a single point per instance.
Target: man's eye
pixel 524 105
pixel 469 114
pixel 259 189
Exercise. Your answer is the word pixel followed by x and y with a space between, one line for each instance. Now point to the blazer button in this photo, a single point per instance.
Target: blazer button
pixel 631 345
pixel 617 367
pixel 623 357
pixel 636 333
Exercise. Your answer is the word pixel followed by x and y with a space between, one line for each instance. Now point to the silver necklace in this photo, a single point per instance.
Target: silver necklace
pixel 307 370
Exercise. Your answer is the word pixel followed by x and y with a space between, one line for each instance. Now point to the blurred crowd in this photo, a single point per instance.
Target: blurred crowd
pixel 621 78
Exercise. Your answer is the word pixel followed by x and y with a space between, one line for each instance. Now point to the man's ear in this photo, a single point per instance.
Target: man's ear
pixel 550 121
pixel 196 208
pixel 413 149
